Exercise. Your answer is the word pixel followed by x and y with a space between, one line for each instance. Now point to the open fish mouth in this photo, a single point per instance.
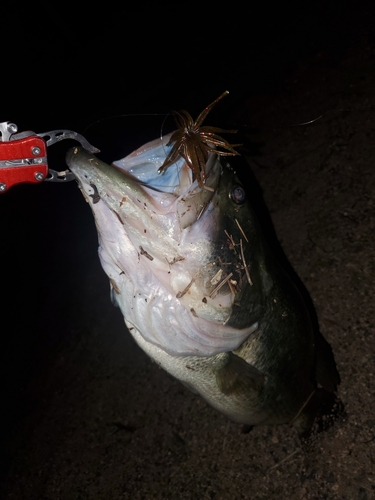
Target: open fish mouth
pixel 170 257
pixel 173 190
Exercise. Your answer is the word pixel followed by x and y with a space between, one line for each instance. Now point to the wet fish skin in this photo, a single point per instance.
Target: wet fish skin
pixel 271 375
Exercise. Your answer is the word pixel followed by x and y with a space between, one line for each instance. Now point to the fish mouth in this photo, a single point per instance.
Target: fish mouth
pixel 161 214
pixel 156 234
pixel 173 191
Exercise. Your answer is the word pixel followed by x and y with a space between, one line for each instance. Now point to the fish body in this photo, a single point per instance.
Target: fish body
pixel 199 289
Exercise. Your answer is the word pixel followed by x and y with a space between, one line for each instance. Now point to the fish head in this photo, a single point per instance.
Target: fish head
pixel 184 260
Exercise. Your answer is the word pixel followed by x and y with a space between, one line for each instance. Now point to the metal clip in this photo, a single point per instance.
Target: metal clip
pixel 55 136
pixel 23 155
pixel 7 129
pixel 63 176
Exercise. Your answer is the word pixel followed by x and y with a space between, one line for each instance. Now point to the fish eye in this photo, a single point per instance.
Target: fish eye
pixel 238 195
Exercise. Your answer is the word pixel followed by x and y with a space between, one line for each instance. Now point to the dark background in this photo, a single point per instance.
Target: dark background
pixel 62 68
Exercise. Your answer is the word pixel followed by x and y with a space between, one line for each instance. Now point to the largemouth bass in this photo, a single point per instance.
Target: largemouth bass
pixel 199 289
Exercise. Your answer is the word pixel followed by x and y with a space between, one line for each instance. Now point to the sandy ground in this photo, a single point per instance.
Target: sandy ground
pixel 88 416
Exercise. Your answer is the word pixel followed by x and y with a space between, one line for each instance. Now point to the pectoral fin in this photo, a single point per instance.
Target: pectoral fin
pixel 238 376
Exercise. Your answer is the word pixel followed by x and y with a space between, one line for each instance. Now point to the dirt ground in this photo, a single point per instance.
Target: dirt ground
pixel 88 416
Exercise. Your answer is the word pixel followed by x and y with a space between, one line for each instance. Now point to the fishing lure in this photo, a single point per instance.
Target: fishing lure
pixel 194 142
